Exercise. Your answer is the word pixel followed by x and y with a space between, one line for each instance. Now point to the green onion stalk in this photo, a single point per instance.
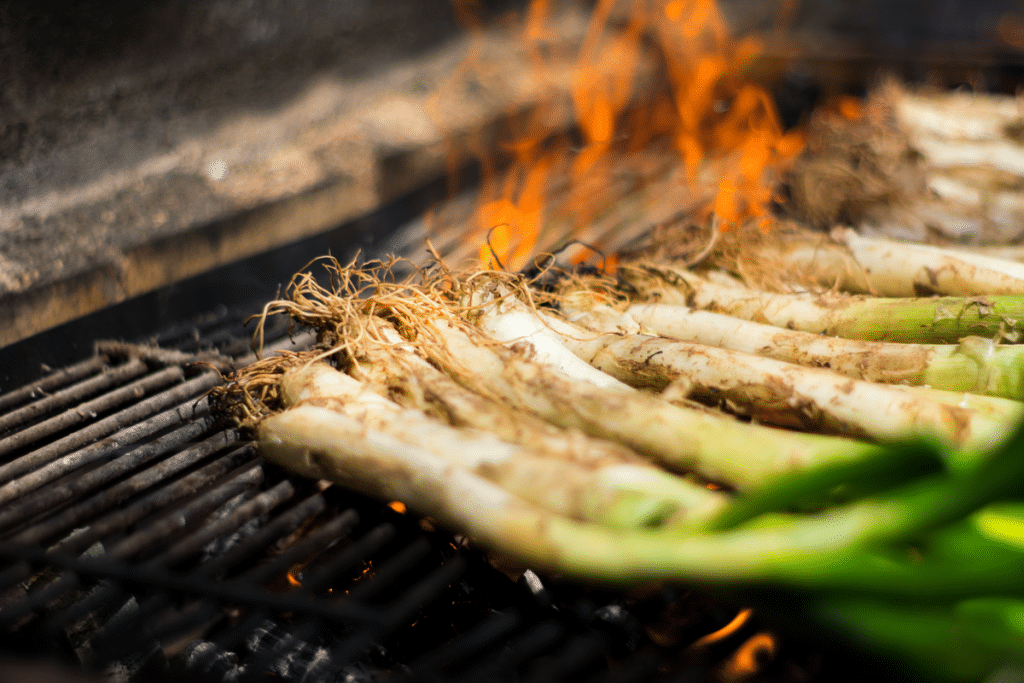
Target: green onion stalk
pixel 931 320
pixel 974 364
pixel 788 394
pixel 888 544
pixel 884 267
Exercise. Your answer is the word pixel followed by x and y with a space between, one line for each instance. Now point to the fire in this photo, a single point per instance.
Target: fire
pixel 725 132
pixel 398 506
pixel 293 580
pixel 750 657
pixel 735 625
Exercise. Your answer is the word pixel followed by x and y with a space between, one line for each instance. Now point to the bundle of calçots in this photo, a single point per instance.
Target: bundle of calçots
pixel 608 429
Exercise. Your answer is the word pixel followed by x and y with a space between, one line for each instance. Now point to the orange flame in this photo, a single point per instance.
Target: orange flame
pixel 750 657
pixel 293 580
pixel 398 506
pixel 704 108
pixel 850 108
pixel 726 631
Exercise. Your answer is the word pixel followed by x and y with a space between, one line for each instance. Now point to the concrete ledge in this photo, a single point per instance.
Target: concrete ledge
pixel 260 178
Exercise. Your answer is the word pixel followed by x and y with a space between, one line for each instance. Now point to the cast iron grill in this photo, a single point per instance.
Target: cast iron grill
pixel 140 535
pixel 140 538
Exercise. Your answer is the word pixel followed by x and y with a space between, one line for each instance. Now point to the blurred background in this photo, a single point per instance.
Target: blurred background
pixel 143 143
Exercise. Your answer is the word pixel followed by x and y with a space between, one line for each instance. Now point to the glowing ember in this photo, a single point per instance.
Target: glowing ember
pixel 850 107
pixel 397 506
pixel 704 108
pixel 726 630
pixel 750 657
pixel 293 580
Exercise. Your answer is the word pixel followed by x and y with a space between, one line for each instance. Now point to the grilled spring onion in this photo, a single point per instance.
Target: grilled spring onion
pixel 900 269
pixel 935 320
pixel 615 493
pixel 394 369
pixel 564 390
pixel 716 446
pixel 976 364
pixel 828 551
pixel 926 536
pixel 784 393
pixel 970 640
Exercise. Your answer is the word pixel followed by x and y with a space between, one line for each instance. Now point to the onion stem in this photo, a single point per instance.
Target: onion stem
pixel 787 394
pixel 934 320
pixel 901 269
pixel 621 494
pixel 975 364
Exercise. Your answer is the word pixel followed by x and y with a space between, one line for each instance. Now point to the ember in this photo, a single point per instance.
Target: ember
pixel 738 621
pixel 750 658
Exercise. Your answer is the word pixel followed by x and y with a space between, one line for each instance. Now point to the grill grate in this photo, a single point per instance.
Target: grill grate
pixel 140 538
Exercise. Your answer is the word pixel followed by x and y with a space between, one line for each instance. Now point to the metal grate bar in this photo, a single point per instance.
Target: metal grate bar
pixel 122 421
pixel 316 542
pixel 375 539
pixel 392 570
pixel 257 506
pixel 575 655
pixel 71 373
pixel 150 621
pixel 279 653
pixel 120 492
pixel 400 612
pixel 153 533
pixel 334 529
pixel 324 574
pixel 146 626
pixel 218 566
pixel 187 485
pixel 278 527
pixel 105 595
pixel 68 581
pixel 58 464
pixel 244 594
pixel 483 635
pixel 166 527
pixel 111 377
pixel 86 411
pixel 52 497
pixel 123 518
pixel 281 524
